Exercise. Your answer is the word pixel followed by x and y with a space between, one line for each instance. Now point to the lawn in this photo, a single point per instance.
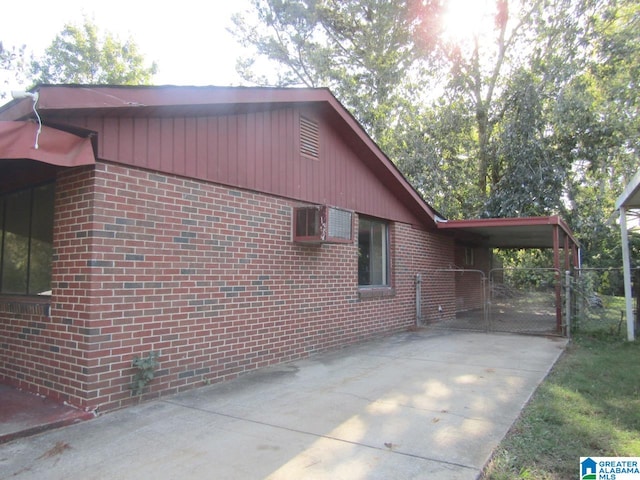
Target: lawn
pixel 607 315
pixel 589 405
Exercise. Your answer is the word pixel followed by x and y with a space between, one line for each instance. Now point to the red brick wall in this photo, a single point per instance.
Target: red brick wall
pixel 203 274
pixel 471 285
pixel 438 291
pixel 451 285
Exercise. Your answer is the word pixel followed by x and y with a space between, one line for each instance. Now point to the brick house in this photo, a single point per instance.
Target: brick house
pixel 226 229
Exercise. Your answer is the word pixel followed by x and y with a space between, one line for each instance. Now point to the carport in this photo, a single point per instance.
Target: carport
pixel 523 233
pixel 628 202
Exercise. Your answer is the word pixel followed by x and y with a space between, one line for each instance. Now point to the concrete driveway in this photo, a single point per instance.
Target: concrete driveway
pixel 416 405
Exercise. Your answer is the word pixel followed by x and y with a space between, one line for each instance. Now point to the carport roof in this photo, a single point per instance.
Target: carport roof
pixel 630 197
pixel 527 232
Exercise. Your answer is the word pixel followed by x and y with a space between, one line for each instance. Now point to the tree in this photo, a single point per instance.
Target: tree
pixel 510 77
pixel 535 115
pixel 528 173
pixel 477 75
pixel 383 60
pixel 12 67
pixel 598 126
pixel 430 145
pixel 79 54
pixel 368 52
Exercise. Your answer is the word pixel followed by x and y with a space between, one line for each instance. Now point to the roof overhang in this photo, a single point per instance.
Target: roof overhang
pixel 57 102
pixel 630 197
pixel 528 232
pixel 22 140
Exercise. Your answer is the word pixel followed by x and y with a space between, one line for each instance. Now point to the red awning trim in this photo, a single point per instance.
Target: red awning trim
pixel 55 147
pixel 519 232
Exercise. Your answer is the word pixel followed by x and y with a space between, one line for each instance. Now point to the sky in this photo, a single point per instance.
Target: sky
pixel 187 38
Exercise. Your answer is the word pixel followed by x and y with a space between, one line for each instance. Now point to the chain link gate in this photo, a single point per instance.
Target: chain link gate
pixel 527 300
pixel 452 298
pixel 531 301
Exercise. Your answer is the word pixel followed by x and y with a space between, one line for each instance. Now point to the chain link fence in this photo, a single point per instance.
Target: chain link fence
pixel 507 300
pixel 452 298
pixel 526 300
pixel 599 301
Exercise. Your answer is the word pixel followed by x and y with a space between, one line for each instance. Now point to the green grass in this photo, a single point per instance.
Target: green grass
pixel 589 405
pixel 609 318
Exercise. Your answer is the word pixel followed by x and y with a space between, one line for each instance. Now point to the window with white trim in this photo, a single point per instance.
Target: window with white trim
pixel 373 253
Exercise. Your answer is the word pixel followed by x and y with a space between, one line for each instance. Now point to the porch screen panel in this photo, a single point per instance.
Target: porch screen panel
pixel 41 240
pixel 26 241
pixel 15 247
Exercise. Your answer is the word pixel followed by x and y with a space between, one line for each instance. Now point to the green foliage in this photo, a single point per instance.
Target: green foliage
pixel 364 50
pixel 528 173
pixel 538 115
pixel 12 66
pixel 79 54
pixel 527 270
pixel 588 406
pixel 431 147
pixel 145 373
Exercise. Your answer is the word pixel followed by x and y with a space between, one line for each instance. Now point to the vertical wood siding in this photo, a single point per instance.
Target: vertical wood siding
pixel 258 151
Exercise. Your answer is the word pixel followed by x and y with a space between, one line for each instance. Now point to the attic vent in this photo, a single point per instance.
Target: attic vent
pixel 309 138
pixel 321 224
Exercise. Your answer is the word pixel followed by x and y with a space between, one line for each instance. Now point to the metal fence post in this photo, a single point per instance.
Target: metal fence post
pixel 567 300
pixel 485 304
pixel 418 299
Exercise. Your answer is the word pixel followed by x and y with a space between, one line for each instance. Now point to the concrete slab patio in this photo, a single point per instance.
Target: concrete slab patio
pixel 23 414
pixel 416 405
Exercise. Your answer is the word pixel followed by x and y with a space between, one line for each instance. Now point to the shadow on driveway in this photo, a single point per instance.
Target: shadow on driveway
pixel 416 405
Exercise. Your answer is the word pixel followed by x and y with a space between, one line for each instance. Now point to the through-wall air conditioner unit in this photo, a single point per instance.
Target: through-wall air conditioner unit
pixel 322 224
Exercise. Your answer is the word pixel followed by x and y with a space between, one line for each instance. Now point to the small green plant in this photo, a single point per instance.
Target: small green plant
pixel 145 373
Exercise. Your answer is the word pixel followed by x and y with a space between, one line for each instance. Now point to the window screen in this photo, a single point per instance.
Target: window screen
pixel 373 253
pixel 26 241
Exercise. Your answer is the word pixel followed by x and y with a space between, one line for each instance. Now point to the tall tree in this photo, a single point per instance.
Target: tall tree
pixel 369 52
pixel 509 75
pixel 528 175
pixel 598 125
pixel 12 67
pixel 79 54
pixel 384 60
pixel 536 114
pixel 431 144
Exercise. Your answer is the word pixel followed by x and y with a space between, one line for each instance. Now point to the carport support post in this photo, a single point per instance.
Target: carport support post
pixel 626 268
pixel 556 266
pixel 567 300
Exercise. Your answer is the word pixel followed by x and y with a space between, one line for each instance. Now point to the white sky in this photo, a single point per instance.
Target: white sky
pixel 187 38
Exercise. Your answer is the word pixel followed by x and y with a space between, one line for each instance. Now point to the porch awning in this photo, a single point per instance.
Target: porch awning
pixel 55 147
